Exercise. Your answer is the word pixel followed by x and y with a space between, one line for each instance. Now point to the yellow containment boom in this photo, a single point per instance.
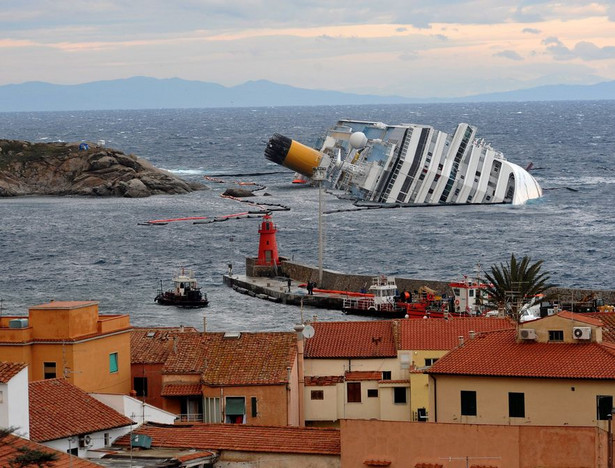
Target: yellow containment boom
pixel 293 155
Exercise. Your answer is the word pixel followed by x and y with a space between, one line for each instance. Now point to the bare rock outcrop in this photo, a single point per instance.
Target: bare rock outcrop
pixel 70 169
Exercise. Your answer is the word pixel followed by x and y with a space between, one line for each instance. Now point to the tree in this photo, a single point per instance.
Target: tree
pixel 25 456
pixel 515 284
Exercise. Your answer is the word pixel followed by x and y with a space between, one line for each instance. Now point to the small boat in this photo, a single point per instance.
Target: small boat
pixel 384 300
pixel 185 292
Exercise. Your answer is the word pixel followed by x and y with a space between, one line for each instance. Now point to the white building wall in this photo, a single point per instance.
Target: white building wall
pixel 135 409
pixel 96 441
pixel 14 407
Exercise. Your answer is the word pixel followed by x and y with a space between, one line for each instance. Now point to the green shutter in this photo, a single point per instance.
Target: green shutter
pixel 235 406
pixel 113 362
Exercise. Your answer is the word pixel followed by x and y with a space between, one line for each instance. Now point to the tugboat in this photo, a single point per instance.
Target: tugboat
pixel 185 293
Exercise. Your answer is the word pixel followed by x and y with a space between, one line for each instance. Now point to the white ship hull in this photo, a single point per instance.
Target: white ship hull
pixel 409 164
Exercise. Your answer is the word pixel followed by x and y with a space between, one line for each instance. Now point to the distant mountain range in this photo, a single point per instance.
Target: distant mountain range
pixel 152 93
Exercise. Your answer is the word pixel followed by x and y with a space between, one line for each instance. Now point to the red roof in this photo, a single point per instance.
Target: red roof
pixel 583 318
pixel 440 334
pixel 10 448
pixel 187 355
pixel 608 323
pixel 361 339
pixel 8 370
pixel 58 409
pixel 251 359
pixel 500 354
pixel 264 439
pixel 363 375
pixel 176 389
pixel 244 359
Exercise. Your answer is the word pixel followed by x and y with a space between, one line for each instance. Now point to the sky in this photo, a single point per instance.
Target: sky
pixel 422 49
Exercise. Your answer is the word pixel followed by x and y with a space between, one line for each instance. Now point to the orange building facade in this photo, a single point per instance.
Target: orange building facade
pixel 70 339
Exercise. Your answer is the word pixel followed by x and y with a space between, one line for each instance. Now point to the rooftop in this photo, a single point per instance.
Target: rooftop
pixel 58 409
pixel 268 439
pixel 440 334
pixel 8 370
pixel 10 446
pixel 499 353
pixel 360 339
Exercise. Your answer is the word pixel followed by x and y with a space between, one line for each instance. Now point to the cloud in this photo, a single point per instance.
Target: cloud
pixel 509 54
pixel 531 30
pixel 588 51
pixel 583 50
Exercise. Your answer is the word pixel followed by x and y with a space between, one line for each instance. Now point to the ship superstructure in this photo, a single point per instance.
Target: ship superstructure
pixel 408 164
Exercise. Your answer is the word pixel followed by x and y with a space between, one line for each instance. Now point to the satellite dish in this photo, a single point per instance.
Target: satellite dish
pixel 308 331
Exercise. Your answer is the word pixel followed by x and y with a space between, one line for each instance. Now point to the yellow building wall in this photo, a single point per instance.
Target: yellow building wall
pixel 63 320
pixel 321 410
pixel 391 411
pixel 419 383
pixel 71 335
pixel 548 402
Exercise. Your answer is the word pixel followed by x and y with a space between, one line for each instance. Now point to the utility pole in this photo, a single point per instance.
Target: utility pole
pixel 320 174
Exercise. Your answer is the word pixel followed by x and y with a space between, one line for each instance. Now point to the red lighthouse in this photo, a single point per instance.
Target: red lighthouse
pixel 267 246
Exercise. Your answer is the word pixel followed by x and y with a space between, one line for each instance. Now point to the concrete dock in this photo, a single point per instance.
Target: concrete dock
pixel 276 289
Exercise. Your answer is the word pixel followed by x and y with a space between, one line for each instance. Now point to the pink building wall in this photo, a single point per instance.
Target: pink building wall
pixel 408 444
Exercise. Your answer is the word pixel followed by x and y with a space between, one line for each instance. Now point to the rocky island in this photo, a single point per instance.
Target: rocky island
pixel 81 169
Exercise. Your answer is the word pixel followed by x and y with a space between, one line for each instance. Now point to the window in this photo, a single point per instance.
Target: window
pixel 430 361
pixel 516 405
pixel 399 395
pixel 235 410
pixel 386 375
pixel 49 370
pixel 113 363
pixel 254 405
pixel 353 390
pixel 604 405
pixel 107 439
pixel 468 403
pixel 556 335
pixel 140 386
pixel 212 410
pixel 317 394
pixel 372 393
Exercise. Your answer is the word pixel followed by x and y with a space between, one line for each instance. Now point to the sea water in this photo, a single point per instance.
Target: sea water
pixel 75 248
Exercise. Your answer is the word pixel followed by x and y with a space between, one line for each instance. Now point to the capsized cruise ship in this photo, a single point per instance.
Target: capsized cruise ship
pixel 407 164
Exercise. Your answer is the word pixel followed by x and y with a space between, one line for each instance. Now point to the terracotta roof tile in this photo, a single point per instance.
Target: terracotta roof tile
pixel 8 370
pixel 152 345
pixel 251 359
pixel 172 389
pixel 363 375
pixel 499 354
pixel 187 355
pixel 584 318
pixel 360 339
pixel 608 324
pixel 267 439
pixel 9 449
pixel 323 381
pixel 440 334
pixel 58 409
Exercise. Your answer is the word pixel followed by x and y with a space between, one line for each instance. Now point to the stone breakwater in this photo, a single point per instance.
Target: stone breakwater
pixel 75 169
pixel 348 282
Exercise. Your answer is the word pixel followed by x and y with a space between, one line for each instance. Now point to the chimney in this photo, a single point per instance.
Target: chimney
pixel 460 340
pixel 472 334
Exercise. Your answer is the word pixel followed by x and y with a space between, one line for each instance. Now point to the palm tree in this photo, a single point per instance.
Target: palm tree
pixel 515 284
